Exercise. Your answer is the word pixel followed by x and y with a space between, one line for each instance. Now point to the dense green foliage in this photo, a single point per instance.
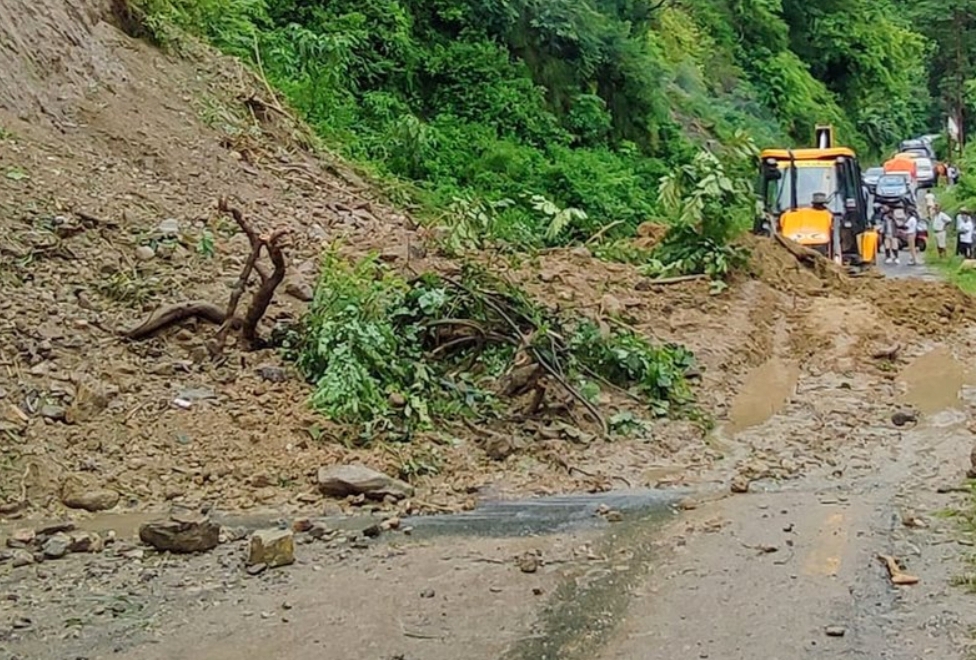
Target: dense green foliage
pixel 394 356
pixel 583 103
pixel 950 29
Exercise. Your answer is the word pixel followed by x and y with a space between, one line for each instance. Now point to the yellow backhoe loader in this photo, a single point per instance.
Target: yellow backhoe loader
pixel 816 198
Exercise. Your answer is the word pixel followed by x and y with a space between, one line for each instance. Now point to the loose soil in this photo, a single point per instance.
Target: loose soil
pixel 107 144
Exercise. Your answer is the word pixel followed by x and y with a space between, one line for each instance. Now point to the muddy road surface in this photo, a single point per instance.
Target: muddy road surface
pixel 790 568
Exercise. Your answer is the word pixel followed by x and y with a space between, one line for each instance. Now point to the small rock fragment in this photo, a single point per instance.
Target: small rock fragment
pixel 356 479
pixel 86 542
pixel 301 525
pixel 427 593
pixel 145 253
pixel 372 531
pixel 614 516
pixel 183 533
pixel 52 412
pixel 529 562
pixel 98 499
pixel 21 558
pixel 54 528
pixel 390 523
pixel 835 631
pixel 318 530
pixel 274 547
pixel 740 484
pixel 57 546
pixel 272 374
pixel 257 569
pixel 21 538
pixel 169 227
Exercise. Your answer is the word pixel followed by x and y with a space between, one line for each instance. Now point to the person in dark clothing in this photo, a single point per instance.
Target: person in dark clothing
pixel 849 228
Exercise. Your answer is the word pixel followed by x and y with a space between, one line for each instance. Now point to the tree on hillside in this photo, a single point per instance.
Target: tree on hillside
pixel 951 26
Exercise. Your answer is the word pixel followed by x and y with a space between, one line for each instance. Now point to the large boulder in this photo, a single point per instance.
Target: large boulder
pixel 356 479
pixel 181 533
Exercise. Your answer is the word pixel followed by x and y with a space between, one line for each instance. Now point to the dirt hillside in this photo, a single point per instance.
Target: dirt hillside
pixel 112 158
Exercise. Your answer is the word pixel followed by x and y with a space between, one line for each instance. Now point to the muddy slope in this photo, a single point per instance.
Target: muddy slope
pixel 112 158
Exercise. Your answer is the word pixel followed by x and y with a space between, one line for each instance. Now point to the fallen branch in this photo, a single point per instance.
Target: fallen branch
pixel 897 576
pixel 174 314
pixel 677 279
pixel 228 319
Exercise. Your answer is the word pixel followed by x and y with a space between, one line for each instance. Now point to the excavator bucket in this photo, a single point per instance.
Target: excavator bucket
pixel 809 227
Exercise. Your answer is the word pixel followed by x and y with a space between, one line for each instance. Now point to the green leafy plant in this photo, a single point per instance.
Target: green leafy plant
pixel 393 357
pixel 708 207
pixel 205 245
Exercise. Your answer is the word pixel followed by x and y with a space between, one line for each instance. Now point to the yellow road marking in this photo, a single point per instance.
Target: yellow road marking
pixel 825 557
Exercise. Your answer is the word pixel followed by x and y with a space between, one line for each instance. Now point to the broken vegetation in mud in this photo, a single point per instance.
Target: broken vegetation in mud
pixel 393 355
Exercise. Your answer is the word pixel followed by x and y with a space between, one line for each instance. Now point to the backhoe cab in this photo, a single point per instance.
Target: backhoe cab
pixel 816 198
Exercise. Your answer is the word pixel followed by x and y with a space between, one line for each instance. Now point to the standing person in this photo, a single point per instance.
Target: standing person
pixel 963 214
pixel 952 174
pixel 940 224
pixel 911 231
pixel 890 239
pixel 966 228
pixel 930 203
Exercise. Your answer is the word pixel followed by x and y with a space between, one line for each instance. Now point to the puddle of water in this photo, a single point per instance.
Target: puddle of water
pixel 544 515
pixel 764 393
pixel 934 381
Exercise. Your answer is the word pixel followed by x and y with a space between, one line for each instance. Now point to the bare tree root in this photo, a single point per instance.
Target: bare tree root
pixel 228 319
pixel 174 314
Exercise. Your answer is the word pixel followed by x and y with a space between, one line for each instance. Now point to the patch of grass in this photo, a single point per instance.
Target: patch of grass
pixel 951 267
pixel 127 288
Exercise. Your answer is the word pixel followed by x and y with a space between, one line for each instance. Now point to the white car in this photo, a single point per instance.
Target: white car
pixel 926 172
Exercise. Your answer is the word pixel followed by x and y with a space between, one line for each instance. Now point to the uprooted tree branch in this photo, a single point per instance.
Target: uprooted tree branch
pixel 228 319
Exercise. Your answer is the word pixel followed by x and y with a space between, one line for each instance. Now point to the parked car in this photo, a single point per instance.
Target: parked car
pixel 895 189
pixel 920 146
pixel 926 172
pixel 871 176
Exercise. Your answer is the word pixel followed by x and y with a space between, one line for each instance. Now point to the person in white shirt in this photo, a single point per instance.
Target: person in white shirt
pixel 911 231
pixel 930 203
pixel 940 223
pixel 966 228
pixel 963 213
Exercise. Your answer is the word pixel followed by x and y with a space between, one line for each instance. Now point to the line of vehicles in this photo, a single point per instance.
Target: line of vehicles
pixel 819 197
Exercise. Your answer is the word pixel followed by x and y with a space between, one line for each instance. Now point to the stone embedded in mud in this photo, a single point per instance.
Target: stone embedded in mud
pixel 169 227
pixel 356 479
pixel 21 558
pixel 57 546
pixel 86 542
pixel 100 499
pixel 79 492
pixel 52 412
pixel 21 538
pixel 182 533
pixel 529 562
pixel 145 253
pixel 272 547
pixel 272 374
pixel 740 484
pixel 53 528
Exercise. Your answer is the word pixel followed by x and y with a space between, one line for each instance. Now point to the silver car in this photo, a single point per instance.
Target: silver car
pixel 925 169
pixel 871 176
